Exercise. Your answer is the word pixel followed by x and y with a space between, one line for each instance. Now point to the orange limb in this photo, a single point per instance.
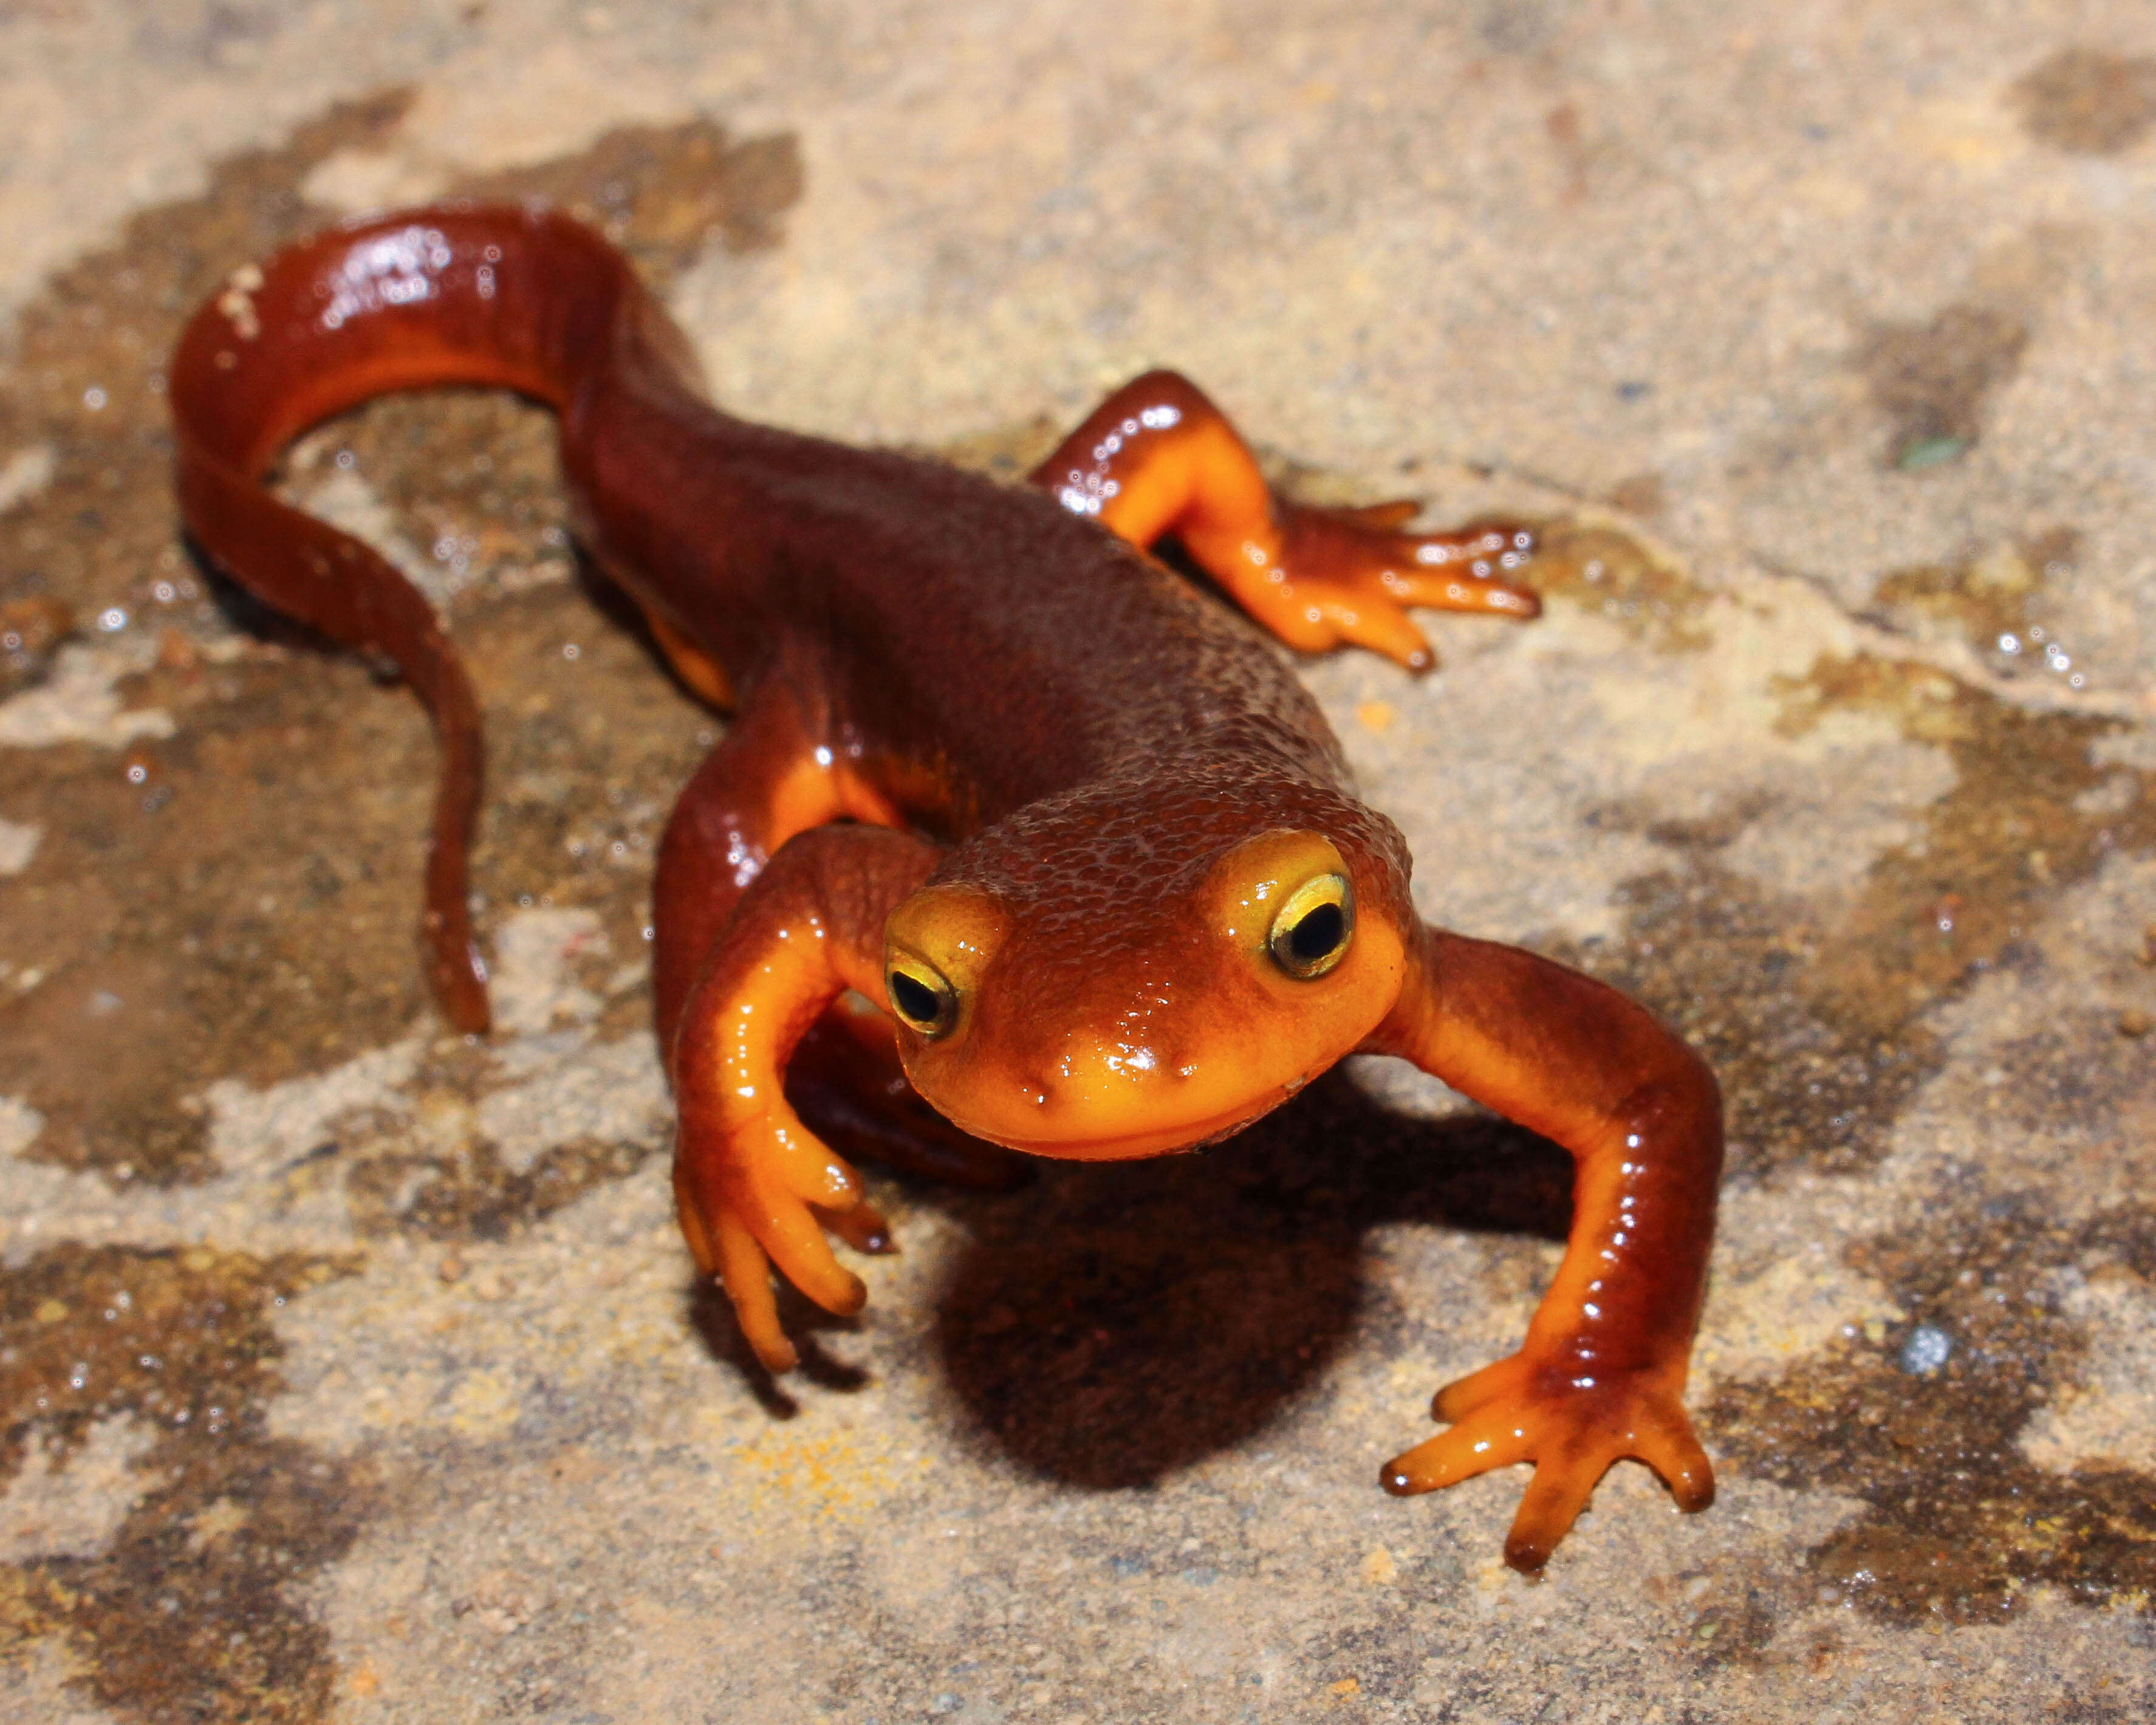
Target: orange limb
pixel 770 777
pixel 1601 1373
pixel 1156 457
pixel 755 1188
pixel 768 781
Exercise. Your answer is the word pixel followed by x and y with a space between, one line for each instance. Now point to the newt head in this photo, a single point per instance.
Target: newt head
pixel 1104 1024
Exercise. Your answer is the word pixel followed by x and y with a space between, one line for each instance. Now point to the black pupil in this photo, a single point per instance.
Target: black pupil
pixel 1317 934
pixel 915 999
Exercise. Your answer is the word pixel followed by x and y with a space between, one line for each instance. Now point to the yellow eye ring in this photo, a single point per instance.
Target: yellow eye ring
pixel 1312 934
pixel 920 996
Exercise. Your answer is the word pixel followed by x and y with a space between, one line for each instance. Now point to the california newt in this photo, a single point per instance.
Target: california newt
pixel 1005 806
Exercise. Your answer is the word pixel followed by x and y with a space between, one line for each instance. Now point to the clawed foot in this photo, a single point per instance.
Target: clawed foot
pixel 1350 575
pixel 763 1197
pixel 759 1190
pixel 1572 1427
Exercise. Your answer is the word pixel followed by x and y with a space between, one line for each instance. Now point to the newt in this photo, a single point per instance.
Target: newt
pixel 1015 839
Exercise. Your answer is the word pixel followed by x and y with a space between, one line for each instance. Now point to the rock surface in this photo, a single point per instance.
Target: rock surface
pixel 351 1371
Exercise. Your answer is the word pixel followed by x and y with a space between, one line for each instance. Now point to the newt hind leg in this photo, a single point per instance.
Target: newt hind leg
pixel 1158 457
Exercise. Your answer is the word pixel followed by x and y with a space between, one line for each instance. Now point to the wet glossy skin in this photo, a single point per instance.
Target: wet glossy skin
pixel 1074 839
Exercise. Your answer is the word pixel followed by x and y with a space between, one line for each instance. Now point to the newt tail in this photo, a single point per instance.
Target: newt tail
pixel 452 295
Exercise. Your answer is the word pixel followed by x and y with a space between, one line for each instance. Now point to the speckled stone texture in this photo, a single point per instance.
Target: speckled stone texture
pixel 351 1371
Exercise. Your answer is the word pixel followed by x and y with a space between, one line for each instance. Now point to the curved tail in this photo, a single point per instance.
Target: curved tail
pixel 523 299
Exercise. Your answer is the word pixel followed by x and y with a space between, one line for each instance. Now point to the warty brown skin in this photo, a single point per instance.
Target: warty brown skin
pixel 1073 829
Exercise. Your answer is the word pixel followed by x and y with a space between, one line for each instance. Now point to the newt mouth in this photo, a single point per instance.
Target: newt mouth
pixel 1171 1139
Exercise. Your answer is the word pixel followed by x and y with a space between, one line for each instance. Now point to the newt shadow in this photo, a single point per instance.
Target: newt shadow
pixel 1108 1324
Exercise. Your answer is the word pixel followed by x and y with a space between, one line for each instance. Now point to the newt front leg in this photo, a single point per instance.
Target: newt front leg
pixel 769 781
pixel 756 1187
pixel 1601 1373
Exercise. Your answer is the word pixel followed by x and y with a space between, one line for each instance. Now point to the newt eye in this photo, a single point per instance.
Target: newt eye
pixel 1311 933
pixel 920 994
